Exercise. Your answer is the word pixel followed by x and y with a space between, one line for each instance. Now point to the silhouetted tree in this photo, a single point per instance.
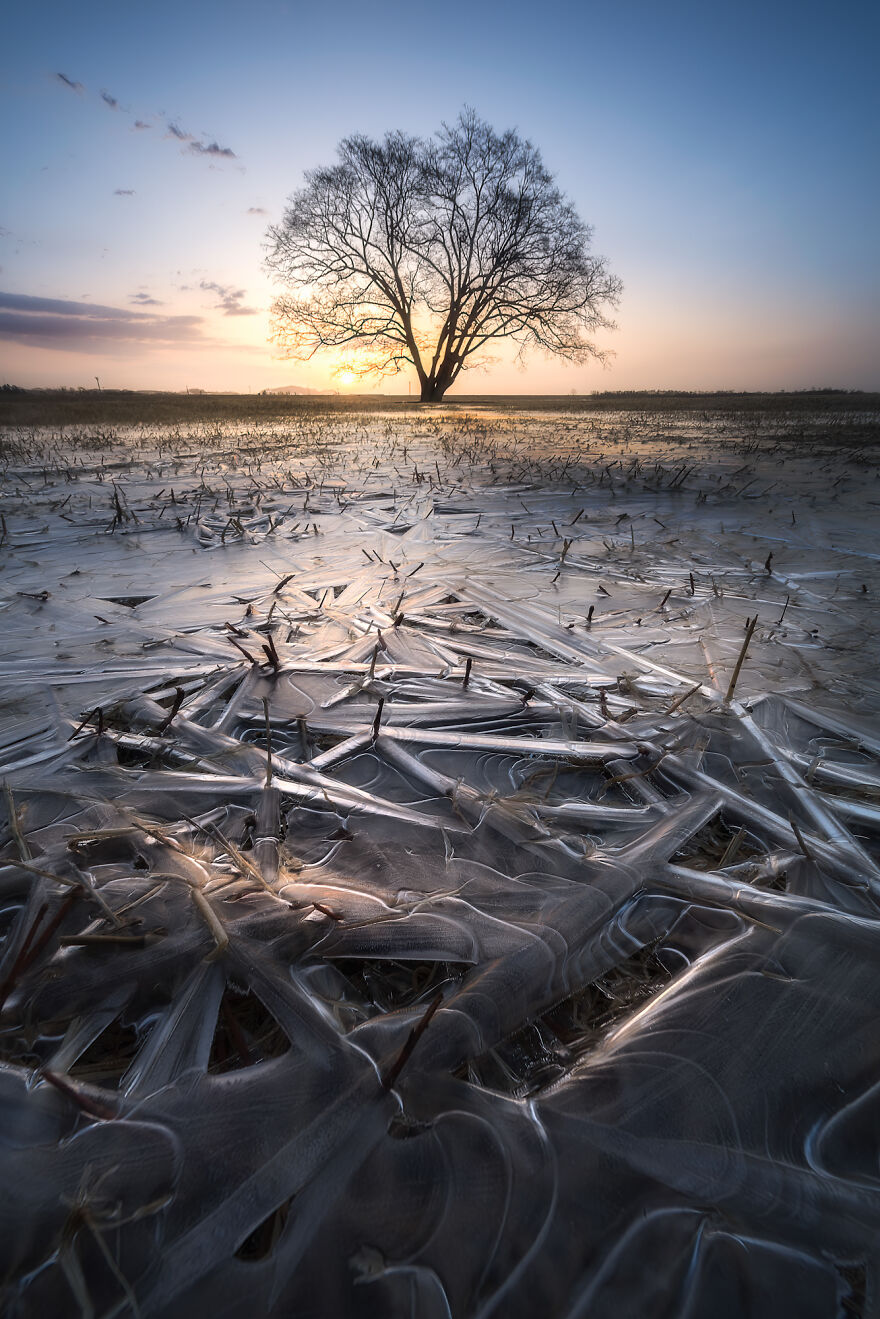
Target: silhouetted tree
pixel 424 252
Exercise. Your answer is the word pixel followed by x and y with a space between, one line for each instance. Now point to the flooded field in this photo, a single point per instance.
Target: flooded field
pixel 440 864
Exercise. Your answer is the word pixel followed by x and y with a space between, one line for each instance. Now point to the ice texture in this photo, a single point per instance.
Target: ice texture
pixel 402 910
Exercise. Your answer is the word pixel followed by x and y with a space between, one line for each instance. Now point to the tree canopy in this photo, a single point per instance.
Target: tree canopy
pixel 425 252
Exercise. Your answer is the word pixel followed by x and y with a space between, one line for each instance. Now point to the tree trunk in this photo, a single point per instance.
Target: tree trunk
pixel 435 385
pixel 433 391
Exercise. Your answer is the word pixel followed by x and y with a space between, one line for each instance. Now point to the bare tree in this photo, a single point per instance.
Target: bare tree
pixel 425 252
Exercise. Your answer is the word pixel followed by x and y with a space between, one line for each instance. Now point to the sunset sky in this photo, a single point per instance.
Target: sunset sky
pixel 726 154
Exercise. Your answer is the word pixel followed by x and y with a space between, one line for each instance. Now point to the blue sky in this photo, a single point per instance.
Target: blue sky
pixel 726 155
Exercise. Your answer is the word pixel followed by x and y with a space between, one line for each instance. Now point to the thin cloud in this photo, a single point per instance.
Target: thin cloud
pixel 229 299
pixel 69 82
pixel 212 149
pixel 144 300
pixel 194 146
pixel 123 192
pixel 61 324
pixel 256 210
pixel 25 302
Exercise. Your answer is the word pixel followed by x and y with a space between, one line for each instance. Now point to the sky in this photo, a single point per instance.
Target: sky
pixel 726 155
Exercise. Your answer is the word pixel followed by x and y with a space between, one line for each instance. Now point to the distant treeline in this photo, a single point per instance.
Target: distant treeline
pixel 715 393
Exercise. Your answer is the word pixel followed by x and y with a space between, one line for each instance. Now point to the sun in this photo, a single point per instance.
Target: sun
pixel 345 375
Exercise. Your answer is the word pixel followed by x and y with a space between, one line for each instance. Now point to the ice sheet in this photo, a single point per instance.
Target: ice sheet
pixel 402 908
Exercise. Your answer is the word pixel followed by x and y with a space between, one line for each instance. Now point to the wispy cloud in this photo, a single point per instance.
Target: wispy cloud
pixel 144 300
pixel 60 324
pixel 212 149
pixel 69 82
pixel 123 192
pixel 229 300
pixel 256 210
pixel 194 145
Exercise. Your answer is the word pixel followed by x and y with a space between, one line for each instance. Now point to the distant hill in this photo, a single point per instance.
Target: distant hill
pixel 296 389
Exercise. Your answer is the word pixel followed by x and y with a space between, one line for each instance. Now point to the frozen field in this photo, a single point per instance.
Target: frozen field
pixel 440 865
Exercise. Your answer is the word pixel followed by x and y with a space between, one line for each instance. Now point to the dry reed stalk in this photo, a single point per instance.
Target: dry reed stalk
pixel 412 1040
pixel 685 696
pixel 752 624
pixel 20 840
